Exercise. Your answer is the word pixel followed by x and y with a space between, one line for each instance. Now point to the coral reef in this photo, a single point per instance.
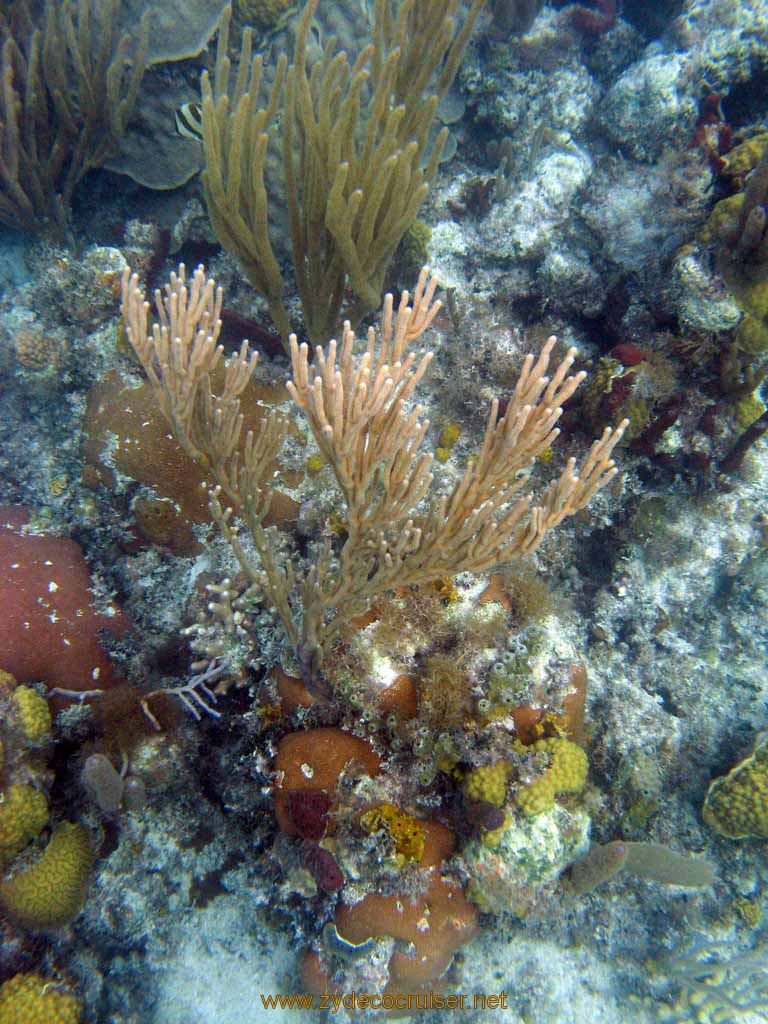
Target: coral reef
pixel 308 699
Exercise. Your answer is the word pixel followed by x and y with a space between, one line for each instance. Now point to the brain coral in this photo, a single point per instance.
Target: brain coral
pixel 52 891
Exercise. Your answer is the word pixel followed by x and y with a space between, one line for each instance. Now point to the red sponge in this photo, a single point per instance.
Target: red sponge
pixel 48 625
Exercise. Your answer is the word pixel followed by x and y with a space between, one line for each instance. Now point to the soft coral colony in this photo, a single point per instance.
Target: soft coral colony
pixel 388 756
pixel 360 413
pixel 345 795
pixel 359 405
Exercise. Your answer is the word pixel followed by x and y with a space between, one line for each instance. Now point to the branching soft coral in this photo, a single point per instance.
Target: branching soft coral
pixel 360 409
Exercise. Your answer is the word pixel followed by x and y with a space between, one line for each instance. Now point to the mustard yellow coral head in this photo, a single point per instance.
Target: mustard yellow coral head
pixel 32 715
pixel 33 999
pixel 487 783
pixel 449 435
pixel 23 815
pixel 51 892
pixel 567 773
pixel 736 805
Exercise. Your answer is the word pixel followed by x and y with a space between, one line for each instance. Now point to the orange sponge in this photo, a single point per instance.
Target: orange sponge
pixel 437 924
pixel 315 759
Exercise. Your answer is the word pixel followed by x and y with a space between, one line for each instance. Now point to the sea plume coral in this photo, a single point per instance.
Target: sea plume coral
pixel 358 406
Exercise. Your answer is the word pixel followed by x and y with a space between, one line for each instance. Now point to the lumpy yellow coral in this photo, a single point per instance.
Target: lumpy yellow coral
pixel 23 814
pixel 488 783
pixel 736 805
pixel 32 999
pixel 449 435
pixel 567 773
pixel 406 832
pixel 32 714
pixel 52 891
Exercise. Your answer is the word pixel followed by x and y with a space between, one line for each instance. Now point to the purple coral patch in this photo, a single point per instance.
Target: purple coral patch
pixel 322 866
pixel 308 809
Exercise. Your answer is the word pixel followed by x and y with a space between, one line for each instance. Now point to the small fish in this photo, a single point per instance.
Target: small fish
pixel 189 121
pixel 537 144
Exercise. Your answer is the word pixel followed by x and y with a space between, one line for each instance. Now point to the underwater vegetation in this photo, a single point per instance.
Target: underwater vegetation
pixel 69 89
pixel 353 174
pixel 414 645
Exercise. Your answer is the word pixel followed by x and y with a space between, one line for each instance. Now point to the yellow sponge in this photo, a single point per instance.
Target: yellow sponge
pixel 406 832
pixel 31 999
pixel 23 815
pixel 567 773
pixel 32 714
pixel 52 891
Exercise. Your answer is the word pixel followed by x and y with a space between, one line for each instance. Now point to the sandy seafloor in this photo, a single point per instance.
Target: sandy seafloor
pixel 594 229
